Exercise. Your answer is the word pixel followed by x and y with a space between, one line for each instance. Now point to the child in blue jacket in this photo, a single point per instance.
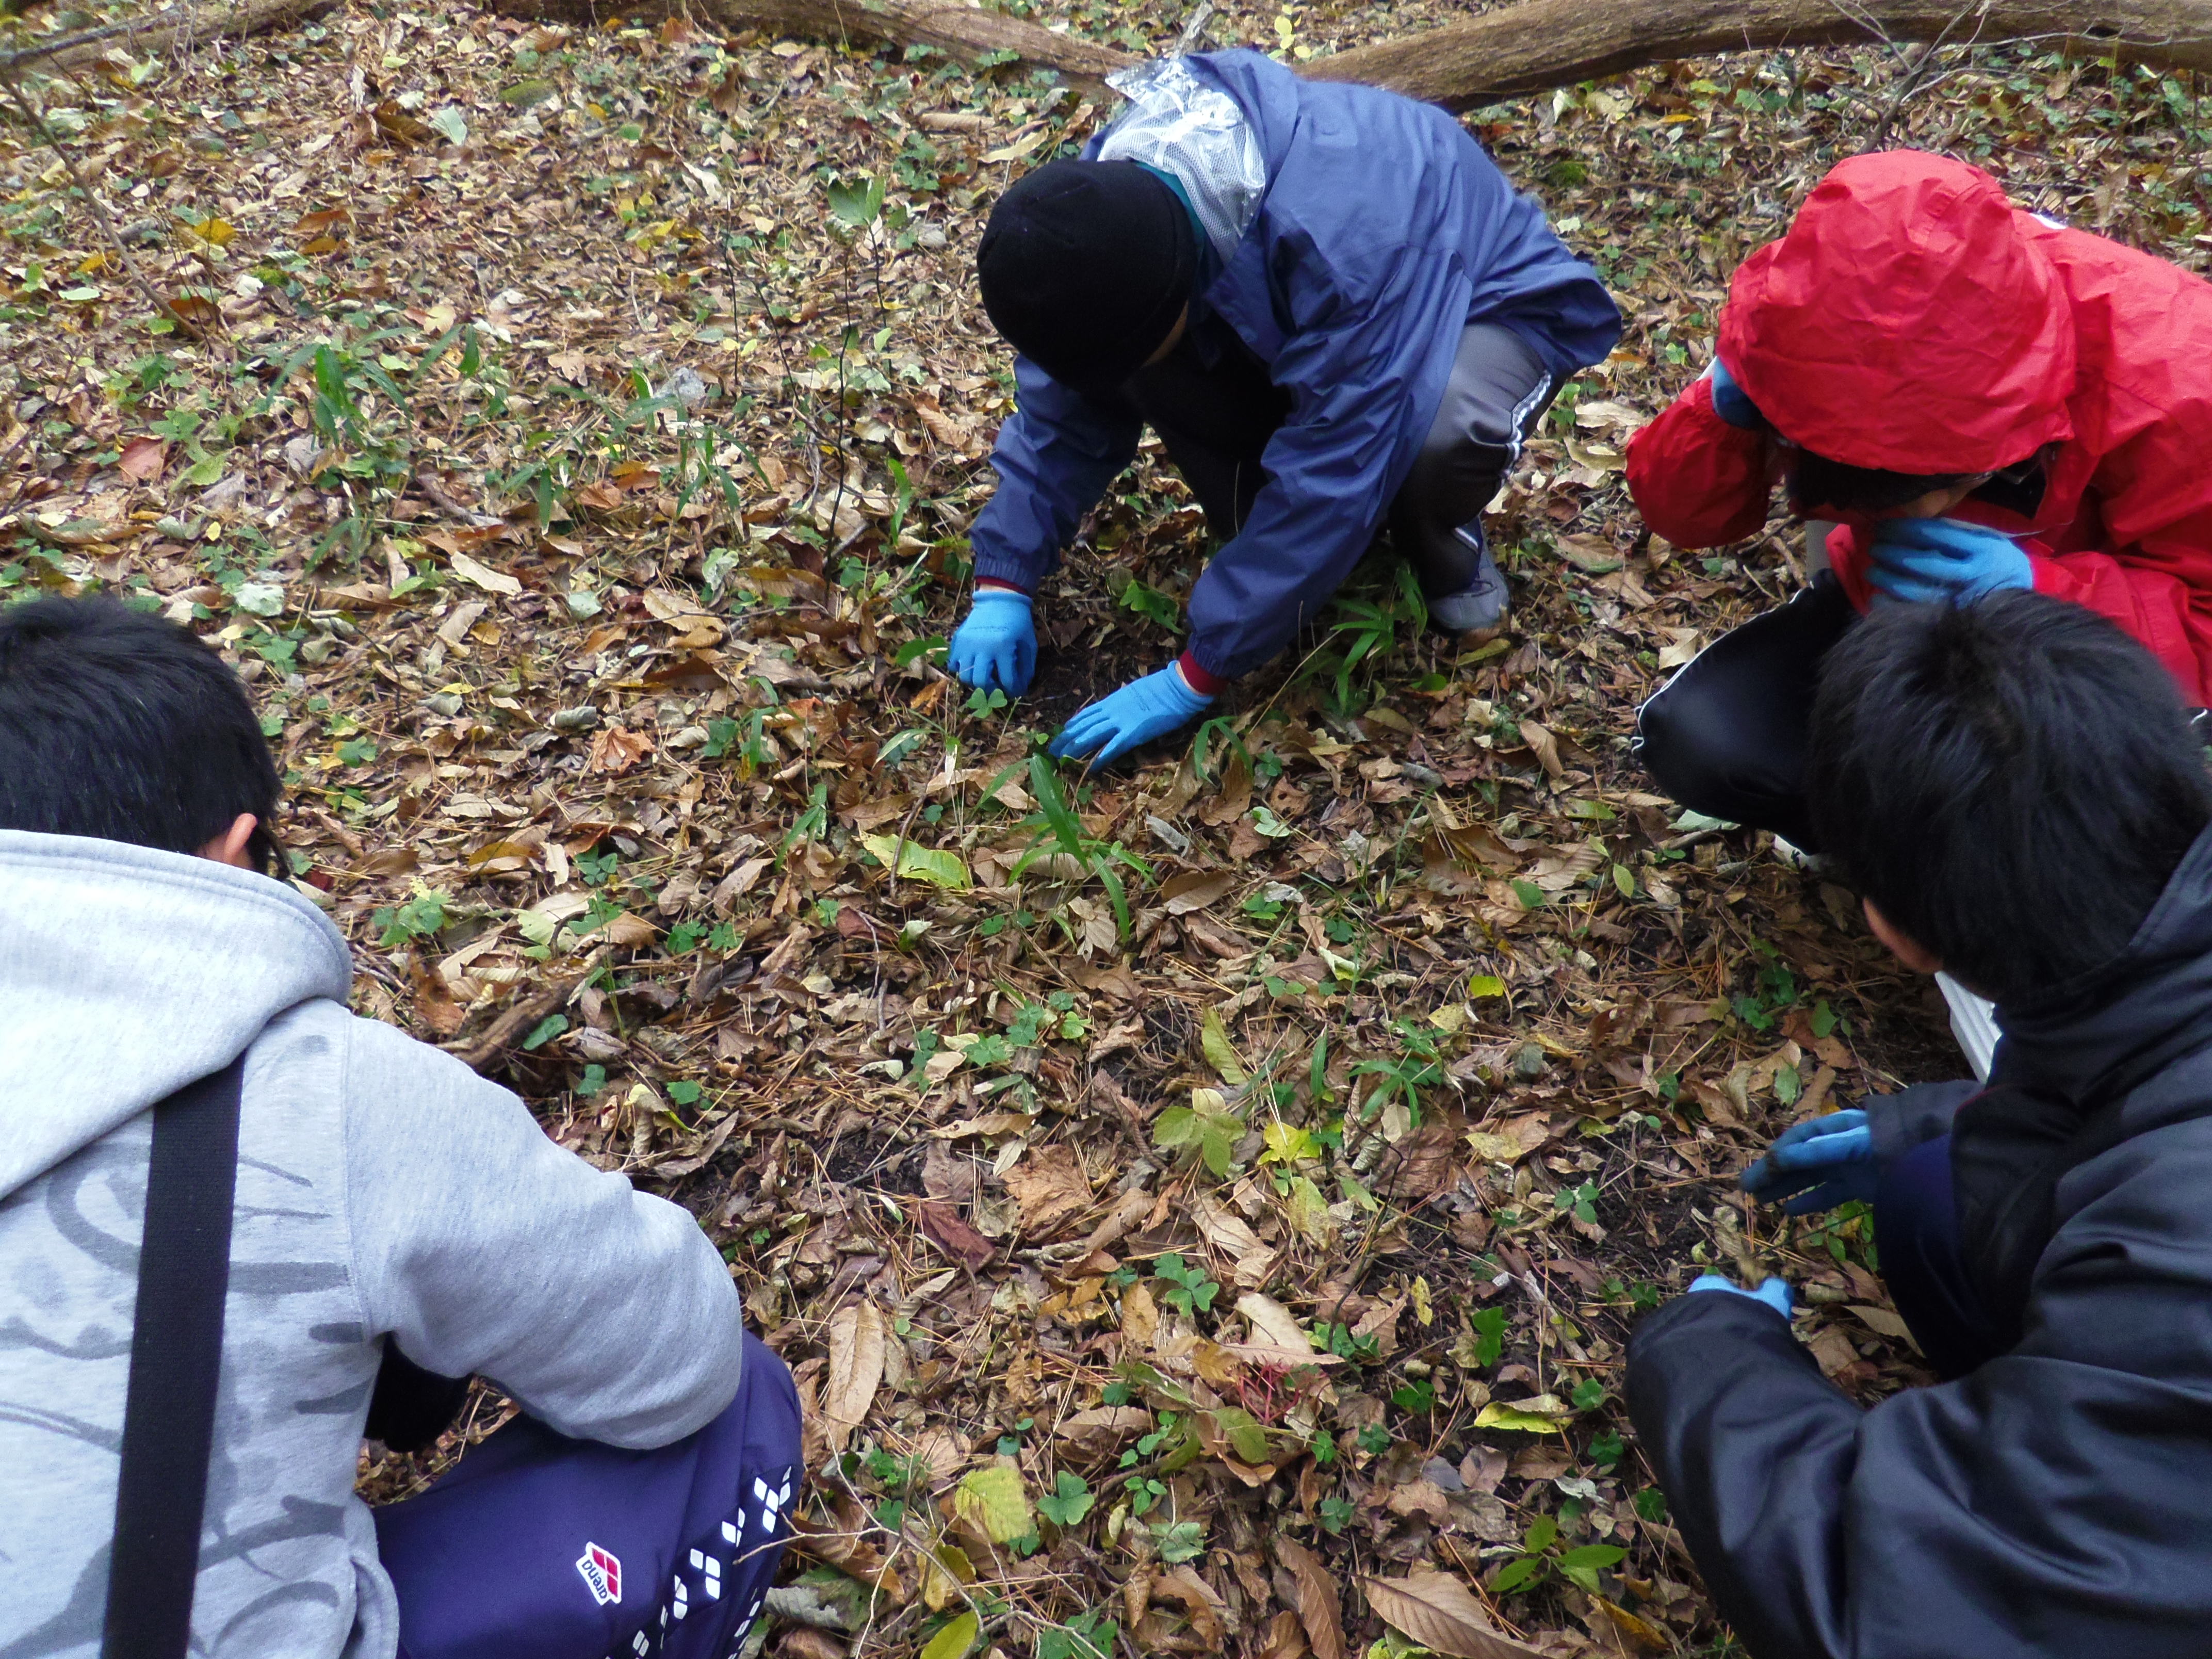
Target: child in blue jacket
pixel 1329 304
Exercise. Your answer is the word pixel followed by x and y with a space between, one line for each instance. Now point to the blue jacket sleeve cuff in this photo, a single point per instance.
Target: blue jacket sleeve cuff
pixel 996 564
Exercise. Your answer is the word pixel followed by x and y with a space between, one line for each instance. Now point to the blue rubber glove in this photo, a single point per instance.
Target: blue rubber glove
pixel 996 646
pixel 1816 1165
pixel 1775 1293
pixel 1729 401
pixel 1934 561
pixel 1140 711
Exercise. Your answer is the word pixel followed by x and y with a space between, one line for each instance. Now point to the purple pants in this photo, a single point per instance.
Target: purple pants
pixel 538 1546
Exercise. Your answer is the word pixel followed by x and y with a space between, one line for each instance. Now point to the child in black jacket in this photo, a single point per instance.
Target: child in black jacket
pixel 2015 788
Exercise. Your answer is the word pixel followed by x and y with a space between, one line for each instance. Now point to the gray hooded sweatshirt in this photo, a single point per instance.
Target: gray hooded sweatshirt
pixel 384 1192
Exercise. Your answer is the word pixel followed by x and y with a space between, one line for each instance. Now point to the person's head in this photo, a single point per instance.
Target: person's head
pixel 1910 322
pixel 116 724
pixel 1086 268
pixel 2008 784
pixel 1822 488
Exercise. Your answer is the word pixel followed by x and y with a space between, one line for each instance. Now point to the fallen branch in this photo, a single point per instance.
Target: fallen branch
pixel 966 31
pixel 163 30
pixel 1516 49
pixel 1550 43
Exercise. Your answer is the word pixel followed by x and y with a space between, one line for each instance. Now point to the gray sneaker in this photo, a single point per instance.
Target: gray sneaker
pixel 1481 605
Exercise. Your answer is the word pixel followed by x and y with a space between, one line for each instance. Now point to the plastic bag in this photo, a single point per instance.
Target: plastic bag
pixel 1178 123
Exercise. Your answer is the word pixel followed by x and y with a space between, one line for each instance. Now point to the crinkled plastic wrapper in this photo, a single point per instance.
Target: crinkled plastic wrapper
pixel 1175 122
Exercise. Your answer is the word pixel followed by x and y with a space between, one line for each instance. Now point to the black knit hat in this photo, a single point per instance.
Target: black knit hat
pixel 1085 267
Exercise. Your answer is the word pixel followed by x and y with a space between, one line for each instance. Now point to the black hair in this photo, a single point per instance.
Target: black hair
pixel 1819 485
pixel 116 724
pixel 2011 781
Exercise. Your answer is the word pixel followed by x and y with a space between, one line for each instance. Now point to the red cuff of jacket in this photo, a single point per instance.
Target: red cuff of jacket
pixel 994 582
pixel 1205 684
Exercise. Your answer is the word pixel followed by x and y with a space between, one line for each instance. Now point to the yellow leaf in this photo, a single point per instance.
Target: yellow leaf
pixel 993 1499
pixel 918 863
pixel 1485 985
pixel 1496 1416
pixel 1214 1038
pixel 216 233
pixel 1423 1310
pixel 957 1639
pixel 944 1570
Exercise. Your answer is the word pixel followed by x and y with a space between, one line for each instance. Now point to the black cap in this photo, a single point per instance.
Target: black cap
pixel 1085 267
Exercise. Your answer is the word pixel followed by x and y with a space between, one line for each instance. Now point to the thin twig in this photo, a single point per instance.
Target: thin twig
pixel 37 122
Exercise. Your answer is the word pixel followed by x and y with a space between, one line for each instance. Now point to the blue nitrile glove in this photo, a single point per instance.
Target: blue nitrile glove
pixel 996 646
pixel 1775 1293
pixel 1141 710
pixel 1729 401
pixel 1929 560
pixel 1816 1165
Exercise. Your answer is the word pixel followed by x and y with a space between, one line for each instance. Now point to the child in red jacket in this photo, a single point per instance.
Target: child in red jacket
pixel 1982 400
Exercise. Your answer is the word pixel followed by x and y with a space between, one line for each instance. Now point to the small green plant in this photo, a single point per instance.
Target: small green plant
pixel 1774 991
pixel 1179 1541
pixel 1205 1126
pixel 1145 1493
pixel 1152 604
pixel 1417 1396
pixel 1540 1557
pixel 1069 1500
pixel 1587 1394
pixel 1340 1340
pixel 1489 1326
pixel 1086 1635
pixel 1364 621
pixel 1190 1291
pixel 1336 1513
pixel 421 917
pixel 1057 830
pixel 1581 1202
pixel 544 1031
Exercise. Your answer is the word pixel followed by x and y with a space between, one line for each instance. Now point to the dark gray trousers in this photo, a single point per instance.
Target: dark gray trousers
pixel 1216 422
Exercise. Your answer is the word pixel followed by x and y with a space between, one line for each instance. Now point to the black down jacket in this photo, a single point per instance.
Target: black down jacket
pixel 2058 1500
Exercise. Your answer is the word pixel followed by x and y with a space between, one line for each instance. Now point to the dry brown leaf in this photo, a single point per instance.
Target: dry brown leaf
pixel 1286 1638
pixel 1196 890
pixel 616 749
pixel 1547 748
pixel 1202 1606
pixel 492 582
pixel 1318 1607
pixel 1641 1633
pixel 856 1369
pixel 1441 1613
pixel 1273 1324
pixel 959 1241
pixel 1049 1185
pixel 1140 1320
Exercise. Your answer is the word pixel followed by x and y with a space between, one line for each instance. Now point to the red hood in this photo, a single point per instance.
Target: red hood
pixel 1907 321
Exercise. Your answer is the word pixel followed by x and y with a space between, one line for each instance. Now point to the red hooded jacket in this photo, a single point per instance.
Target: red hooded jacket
pixel 1912 319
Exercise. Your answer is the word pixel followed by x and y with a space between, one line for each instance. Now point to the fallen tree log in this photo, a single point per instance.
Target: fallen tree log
pixel 966 31
pixel 163 30
pixel 1513 50
pixel 1550 43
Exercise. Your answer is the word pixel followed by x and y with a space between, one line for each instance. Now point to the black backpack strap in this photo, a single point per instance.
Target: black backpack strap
pixel 176 1353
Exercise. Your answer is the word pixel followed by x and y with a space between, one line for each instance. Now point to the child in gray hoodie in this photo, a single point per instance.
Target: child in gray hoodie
pixel 386 1194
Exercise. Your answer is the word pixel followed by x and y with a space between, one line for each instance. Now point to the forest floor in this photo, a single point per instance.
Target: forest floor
pixel 1199 1202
